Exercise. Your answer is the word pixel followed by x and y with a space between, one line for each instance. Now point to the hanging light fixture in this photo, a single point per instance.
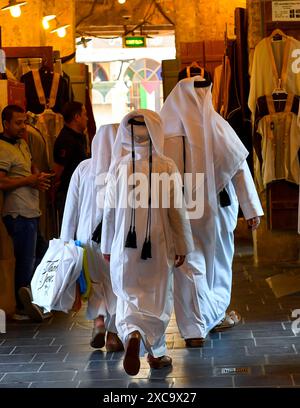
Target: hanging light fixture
pixel 60 30
pixel 46 19
pixel 14 7
pixel 122 1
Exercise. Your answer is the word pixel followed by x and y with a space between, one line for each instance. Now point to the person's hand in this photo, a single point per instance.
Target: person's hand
pixel 106 257
pixel 179 259
pixel 44 181
pixel 40 181
pixel 253 223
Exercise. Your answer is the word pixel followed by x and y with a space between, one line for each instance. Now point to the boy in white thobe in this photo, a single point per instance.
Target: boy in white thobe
pixel 141 265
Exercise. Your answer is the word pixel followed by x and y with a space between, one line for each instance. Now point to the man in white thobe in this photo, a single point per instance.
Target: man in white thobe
pixel 201 141
pixel 142 280
pixel 82 214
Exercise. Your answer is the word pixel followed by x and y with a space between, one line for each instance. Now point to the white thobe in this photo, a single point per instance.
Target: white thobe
pixel 144 287
pixel 82 214
pixel 202 286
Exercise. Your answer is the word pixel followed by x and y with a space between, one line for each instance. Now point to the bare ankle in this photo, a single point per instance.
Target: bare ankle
pixel 99 321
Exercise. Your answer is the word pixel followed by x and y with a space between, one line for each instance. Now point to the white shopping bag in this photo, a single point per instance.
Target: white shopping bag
pixel 53 284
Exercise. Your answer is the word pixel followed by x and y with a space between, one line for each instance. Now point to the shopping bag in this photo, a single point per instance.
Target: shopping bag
pixel 53 284
pixel 84 280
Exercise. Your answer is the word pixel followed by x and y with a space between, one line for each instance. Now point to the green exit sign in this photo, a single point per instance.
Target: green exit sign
pixel 134 41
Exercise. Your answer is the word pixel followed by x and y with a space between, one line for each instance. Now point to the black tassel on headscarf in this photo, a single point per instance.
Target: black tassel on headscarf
pixel 131 238
pixel 146 250
pixel 131 241
pixel 144 253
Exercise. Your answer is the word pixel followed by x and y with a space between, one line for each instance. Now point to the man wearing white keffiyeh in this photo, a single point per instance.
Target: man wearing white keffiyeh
pixel 200 141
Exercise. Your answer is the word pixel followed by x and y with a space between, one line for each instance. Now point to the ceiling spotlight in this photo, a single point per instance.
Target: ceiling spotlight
pixel 61 31
pixel 46 20
pixel 14 7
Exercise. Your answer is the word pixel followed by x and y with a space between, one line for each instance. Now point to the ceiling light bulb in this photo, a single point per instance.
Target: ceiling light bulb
pixel 121 1
pixel 46 19
pixel 61 32
pixel 15 11
pixel 45 23
pixel 14 7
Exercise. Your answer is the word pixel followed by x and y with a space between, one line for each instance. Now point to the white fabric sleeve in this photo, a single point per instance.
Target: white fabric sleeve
pixel 108 221
pixel 246 192
pixel 71 211
pixel 178 218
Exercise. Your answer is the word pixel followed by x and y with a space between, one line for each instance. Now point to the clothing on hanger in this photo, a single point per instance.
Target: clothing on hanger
pixel 38 97
pixel 272 68
pixel 277 139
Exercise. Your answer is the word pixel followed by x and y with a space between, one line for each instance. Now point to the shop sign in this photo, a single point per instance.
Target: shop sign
pixel 285 10
pixel 134 41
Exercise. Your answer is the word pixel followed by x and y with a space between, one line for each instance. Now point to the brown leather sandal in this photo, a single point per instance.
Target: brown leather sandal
pixel 159 362
pixel 195 342
pixel 98 337
pixel 131 362
pixel 113 343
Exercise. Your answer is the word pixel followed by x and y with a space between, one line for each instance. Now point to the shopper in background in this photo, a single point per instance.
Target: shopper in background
pixel 70 149
pixel 21 182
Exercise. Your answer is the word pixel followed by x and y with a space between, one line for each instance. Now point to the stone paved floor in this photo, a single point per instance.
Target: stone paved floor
pixel 263 351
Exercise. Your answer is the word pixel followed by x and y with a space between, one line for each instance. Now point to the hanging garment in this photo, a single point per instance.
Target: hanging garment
pixel 91 124
pixel 217 89
pixel 81 217
pixel 38 147
pixel 299 213
pixel 226 82
pixel 45 89
pixel 274 67
pixel 143 287
pixel 280 140
pixel 203 284
pixel 50 124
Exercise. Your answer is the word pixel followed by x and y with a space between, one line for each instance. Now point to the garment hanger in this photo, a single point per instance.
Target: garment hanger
pixel 195 64
pixel 279 93
pixel 277 35
pixel 45 68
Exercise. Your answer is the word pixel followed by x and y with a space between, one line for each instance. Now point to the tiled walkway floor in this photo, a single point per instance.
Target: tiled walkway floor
pixel 263 351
